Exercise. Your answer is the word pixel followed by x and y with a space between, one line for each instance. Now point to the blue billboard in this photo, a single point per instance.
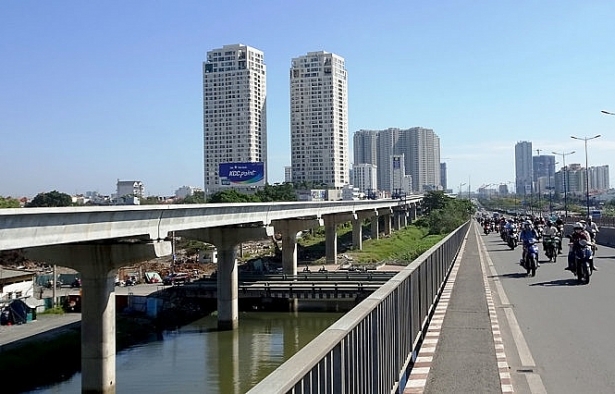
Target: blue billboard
pixel 242 174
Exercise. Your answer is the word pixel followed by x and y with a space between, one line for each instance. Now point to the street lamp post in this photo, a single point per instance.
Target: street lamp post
pixel 461 184
pixel 565 181
pixel 585 139
pixel 551 191
pixel 607 113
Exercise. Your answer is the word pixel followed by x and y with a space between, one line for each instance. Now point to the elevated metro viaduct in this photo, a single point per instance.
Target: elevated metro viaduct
pixel 96 241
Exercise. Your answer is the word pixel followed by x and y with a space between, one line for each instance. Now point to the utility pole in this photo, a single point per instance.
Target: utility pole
pixel 539 191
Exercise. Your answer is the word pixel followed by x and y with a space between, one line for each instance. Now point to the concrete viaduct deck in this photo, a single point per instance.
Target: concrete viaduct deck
pixel 96 241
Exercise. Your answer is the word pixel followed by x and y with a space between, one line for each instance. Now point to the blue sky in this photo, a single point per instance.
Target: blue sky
pixel 92 92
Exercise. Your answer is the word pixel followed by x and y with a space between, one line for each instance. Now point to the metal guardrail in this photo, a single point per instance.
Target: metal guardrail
pixel 371 348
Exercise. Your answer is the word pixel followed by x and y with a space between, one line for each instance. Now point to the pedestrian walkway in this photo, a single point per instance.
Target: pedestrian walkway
pixel 462 351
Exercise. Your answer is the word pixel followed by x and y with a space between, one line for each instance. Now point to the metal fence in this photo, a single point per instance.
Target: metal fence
pixel 372 347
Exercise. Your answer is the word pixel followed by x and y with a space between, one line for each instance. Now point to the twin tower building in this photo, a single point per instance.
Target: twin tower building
pixel 235 122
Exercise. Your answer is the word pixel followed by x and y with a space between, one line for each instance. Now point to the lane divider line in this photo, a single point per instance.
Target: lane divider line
pixel 523 350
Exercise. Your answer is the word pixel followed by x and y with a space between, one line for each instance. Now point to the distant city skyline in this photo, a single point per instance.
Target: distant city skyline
pixel 91 95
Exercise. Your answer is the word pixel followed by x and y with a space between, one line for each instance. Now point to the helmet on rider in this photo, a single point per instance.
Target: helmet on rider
pixel 578 226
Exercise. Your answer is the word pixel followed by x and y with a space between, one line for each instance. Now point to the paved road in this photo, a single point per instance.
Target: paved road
pixel 557 334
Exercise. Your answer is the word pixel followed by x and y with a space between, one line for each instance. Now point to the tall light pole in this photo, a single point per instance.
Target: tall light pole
pixel 607 113
pixel 551 190
pixel 585 139
pixel 565 182
pixel 461 184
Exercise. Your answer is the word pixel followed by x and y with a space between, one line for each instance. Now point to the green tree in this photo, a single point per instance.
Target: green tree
pixel 9 202
pixel 231 195
pixel 283 192
pixel 197 197
pixel 435 199
pixel 444 214
pixel 51 199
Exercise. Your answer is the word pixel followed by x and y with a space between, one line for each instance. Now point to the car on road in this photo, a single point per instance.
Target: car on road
pixel 178 278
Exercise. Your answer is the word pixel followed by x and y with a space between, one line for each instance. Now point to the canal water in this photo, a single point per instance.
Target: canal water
pixel 199 359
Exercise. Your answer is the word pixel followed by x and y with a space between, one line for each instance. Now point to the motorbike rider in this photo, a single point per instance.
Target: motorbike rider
pixel 577 235
pixel 592 228
pixel 549 231
pixel 527 234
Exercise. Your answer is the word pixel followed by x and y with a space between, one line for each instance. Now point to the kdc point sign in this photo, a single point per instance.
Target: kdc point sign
pixel 242 174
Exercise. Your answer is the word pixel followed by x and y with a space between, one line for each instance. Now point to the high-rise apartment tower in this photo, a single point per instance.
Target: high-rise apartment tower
pixel 419 146
pixel 523 168
pixel 319 120
pixel 234 110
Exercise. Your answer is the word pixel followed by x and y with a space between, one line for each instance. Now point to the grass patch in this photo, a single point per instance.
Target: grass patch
pixel 401 247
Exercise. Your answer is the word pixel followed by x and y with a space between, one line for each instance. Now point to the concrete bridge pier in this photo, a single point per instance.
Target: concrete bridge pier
pixel 97 265
pixel 357 229
pixel 290 229
pixel 412 212
pixel 386 215
pixel 399 219
pixel 331 222
pixel 375 226
pixel 226 240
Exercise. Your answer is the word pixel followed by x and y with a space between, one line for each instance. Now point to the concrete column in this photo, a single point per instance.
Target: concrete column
pixel 97 265
pixel 412 213
pixel 290 230
pixel 403 217
pixel 375 227
pixel 387 224
pixel 330 239
pixel 357 233
pixel 357 228
pixel 397 220
pixel 226 239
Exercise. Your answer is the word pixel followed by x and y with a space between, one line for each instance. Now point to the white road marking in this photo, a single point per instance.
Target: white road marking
pixel 525 355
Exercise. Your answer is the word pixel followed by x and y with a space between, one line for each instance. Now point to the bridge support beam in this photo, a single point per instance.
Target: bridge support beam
pixel 331 222
pixel 386 216
pixel 357 229
pixel 226 240
pixel 375 226
pixel 412 212
pixel 289 230
pixel 400 219
pixel 97 265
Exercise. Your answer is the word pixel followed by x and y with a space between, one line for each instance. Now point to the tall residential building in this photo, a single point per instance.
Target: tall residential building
pixel 319 120
pixel 420 148
pixel 543 166
pixel 443 180
pixel 523 168
pixel 365 177
pixel 234 110
pixel 365 145
pixel 599 178
pixel 288 174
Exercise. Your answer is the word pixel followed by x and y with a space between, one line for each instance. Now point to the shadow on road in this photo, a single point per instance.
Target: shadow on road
pixel 557 282
pixel 513 275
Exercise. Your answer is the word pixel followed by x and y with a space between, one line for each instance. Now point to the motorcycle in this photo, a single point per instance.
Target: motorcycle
pixel 550 245
pixel 582 257
pixel 530 262
pixel 512 238
pixel 487 228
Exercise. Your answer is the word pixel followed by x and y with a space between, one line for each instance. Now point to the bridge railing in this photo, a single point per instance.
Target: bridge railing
pixel 372 347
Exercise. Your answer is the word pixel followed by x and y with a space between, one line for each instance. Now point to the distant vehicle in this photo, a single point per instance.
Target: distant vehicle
pixel 176 279
pixel 596 214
